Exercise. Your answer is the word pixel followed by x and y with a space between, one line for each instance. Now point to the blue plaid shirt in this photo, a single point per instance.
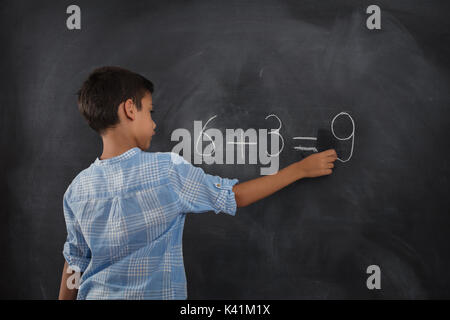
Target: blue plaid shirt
pixel 125 218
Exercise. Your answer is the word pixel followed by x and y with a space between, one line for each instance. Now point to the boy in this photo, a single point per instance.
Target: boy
pixel 125 213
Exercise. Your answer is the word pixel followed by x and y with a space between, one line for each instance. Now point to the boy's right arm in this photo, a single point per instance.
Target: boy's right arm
pixel 315 165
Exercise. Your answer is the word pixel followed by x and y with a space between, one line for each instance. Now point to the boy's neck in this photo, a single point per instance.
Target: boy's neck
pixel 114 144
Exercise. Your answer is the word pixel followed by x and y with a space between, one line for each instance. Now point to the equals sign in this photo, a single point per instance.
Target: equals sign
pixel 305 148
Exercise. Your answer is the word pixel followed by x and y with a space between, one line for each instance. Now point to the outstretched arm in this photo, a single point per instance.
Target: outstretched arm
pixel 315 165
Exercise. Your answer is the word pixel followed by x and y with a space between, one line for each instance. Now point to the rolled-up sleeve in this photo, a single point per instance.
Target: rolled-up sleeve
pixel 198 191
pixel 76 251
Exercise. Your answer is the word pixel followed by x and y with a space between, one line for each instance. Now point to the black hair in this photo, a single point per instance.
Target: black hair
pixel 104 90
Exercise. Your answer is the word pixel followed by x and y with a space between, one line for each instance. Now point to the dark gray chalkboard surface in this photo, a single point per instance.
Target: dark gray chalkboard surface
pixel 304 61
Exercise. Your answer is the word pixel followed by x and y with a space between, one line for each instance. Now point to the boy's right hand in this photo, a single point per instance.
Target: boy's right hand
pixel 318 164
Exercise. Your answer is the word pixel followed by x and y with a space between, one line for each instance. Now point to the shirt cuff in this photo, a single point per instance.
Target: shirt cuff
pixel 78 264
pixel 226 201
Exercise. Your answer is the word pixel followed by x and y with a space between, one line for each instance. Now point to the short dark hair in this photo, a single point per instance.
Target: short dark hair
pixel 104 90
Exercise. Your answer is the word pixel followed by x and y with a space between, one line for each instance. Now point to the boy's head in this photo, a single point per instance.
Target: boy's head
pixel 114 99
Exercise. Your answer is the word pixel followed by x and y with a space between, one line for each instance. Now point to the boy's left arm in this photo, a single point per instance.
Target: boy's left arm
pixel 76 252
pixel 64 292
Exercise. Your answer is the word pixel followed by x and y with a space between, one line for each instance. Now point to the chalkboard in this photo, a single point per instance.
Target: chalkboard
pixel 316 67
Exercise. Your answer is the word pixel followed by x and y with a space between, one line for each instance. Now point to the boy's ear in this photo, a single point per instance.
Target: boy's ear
pixel 129 109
